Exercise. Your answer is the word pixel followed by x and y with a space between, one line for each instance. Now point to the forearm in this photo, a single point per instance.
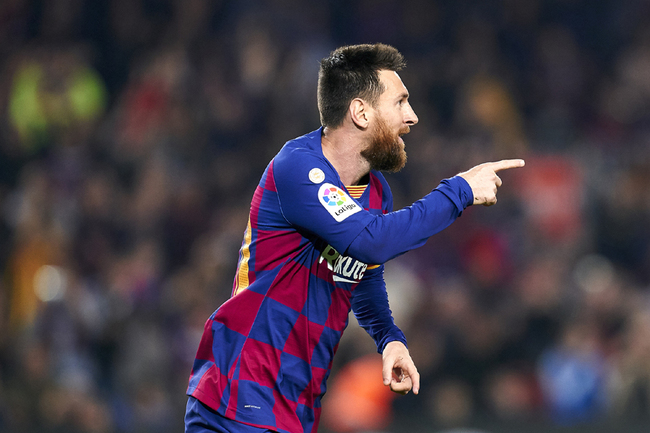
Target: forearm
pixel 382 330
pixel 395 233
pixel 370 307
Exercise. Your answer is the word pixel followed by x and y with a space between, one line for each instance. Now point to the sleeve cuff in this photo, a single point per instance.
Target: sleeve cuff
pixel 458 191
pixel 395 335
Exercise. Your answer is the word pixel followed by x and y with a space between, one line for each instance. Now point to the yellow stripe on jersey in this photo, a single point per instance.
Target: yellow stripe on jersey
pixel 242 275
pixel 373 266
pixel 356 191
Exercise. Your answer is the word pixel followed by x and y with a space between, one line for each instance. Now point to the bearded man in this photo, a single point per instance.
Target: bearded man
pixel 320 228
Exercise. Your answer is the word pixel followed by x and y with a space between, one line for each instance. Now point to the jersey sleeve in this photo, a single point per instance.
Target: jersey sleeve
pixel 389 235
pixel 371 309
pixel 310 198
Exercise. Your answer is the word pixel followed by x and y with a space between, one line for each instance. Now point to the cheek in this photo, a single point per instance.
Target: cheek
pixel 394 122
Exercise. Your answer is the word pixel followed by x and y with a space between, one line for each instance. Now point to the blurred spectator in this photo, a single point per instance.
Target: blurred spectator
pixel 572 375
pixel 630 381
pixel 55 97
pixel 356 400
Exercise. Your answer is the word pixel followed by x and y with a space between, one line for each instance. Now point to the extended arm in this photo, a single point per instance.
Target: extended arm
pixel 398 232
pixel 395 233
pixel 367 237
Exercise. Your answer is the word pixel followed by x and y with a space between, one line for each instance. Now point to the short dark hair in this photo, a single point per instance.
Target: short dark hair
pixel 353 72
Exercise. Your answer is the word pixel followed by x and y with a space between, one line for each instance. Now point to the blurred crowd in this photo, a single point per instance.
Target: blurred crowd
pixel 133 133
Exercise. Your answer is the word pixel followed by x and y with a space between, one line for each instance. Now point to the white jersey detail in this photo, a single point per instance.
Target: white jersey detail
pixel 346 269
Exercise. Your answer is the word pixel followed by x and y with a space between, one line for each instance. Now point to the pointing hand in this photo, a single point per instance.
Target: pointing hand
pixel 484 181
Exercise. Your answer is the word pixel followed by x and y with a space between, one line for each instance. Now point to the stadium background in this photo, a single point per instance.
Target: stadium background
pixel 133 132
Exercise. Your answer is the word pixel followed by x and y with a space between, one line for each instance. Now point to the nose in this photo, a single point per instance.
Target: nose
pixel 410 118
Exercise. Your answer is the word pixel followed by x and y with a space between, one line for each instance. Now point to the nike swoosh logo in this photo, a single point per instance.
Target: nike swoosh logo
pixel 342 280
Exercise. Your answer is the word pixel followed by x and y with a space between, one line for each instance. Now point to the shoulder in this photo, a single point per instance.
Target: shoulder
pixel 301 147
pixel 302 159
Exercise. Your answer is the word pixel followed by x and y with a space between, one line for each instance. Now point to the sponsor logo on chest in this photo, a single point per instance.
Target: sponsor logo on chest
pixel 346 269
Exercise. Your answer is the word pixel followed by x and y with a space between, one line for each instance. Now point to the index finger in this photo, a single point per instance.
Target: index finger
pixel 506 164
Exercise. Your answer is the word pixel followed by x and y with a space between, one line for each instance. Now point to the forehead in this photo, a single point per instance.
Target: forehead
pixel 392 83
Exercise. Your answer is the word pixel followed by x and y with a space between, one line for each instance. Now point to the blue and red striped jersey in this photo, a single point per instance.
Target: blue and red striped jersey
pixel 266 353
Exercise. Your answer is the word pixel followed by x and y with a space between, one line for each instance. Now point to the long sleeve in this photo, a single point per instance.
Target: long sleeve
pixel 395 233
pixel 319 205
pixel 370 307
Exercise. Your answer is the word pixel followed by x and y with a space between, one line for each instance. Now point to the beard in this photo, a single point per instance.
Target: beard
pixel 385 152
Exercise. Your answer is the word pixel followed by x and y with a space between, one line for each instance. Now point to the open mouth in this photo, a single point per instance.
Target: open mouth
pixel 401 134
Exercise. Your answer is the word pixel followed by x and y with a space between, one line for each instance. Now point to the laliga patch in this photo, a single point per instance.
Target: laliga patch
pixel 316 175
pixel 337 202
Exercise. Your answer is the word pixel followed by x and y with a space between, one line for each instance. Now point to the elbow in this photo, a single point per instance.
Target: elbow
pixel 368 253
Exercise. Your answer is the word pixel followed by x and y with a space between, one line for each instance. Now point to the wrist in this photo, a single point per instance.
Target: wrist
pixel 395 345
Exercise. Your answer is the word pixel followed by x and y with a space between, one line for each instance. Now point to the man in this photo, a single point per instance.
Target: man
pixel 320 229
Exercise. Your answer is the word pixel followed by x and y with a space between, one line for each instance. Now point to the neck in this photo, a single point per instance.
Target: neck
pixel 342 148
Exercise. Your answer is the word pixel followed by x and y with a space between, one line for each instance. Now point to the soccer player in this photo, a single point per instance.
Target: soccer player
pixel 320 228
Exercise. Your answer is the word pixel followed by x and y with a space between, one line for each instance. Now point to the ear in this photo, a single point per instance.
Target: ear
pixel 360 113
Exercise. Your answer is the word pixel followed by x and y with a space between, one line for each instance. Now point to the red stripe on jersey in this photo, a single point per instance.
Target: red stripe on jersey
pixel 247 304
pixel 260 362
pixel 255 205
pixel 284 411
pixel 304 337
pixel 376 192
pixel 273 247
pixel 231 410
pixel 205 346
pixel 284 285
pixel 269 185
